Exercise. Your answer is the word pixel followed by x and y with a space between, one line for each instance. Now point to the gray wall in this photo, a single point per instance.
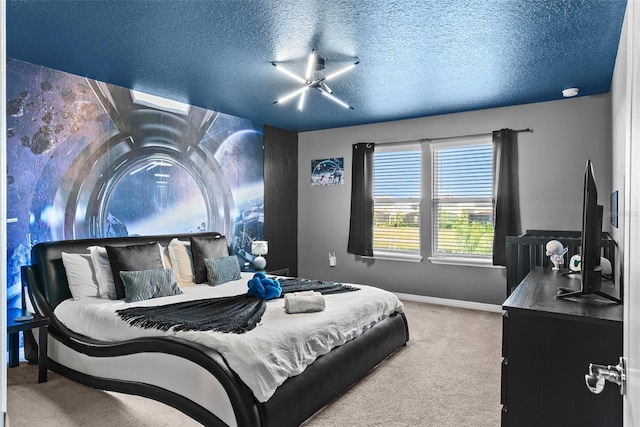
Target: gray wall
pixel 552 159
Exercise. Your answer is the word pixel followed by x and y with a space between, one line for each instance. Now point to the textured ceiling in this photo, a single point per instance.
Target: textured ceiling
pixel 417 58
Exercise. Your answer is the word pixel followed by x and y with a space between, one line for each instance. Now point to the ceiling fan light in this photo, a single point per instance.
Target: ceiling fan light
pixel 336 100
pixel 341 71
pixel 291 95
pixel 326 87
pixel 288 73
pixel 301 102
pixel 310 65
pixel 314 62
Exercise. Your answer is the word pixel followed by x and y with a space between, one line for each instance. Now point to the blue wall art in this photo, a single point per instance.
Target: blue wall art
pixel 327 171
pixel 89 159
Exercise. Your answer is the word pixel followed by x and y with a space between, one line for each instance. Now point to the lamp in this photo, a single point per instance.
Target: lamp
pixel 259 248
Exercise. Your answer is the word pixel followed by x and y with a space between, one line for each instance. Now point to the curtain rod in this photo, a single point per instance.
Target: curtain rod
pixel 450 137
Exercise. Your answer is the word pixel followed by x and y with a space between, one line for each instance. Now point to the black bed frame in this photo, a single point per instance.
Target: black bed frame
pixel 293 402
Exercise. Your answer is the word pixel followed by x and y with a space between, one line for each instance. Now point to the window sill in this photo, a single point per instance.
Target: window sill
pixel 394 256
pixel 467 262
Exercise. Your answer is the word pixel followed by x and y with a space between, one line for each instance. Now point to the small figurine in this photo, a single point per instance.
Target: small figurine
pixel 575 263
pixel 555 252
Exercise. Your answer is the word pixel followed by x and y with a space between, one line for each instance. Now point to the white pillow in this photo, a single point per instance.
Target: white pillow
pixel 104 276
pixel 166 260
pixel 182 262
pixel 80 275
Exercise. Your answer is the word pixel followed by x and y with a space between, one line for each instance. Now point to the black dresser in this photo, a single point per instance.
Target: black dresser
pixel 547 345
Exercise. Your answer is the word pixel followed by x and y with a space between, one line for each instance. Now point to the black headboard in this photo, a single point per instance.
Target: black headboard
pixel 47 272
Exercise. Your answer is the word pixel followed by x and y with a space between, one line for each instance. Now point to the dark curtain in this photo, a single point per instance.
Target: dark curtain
pixel 506 200
pixel 361 221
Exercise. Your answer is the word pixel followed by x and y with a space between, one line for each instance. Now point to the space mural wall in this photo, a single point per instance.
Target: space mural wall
pixel 89 159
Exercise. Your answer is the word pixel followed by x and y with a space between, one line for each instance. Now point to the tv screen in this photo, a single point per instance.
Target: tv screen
pixel 590 270
pixel 591 231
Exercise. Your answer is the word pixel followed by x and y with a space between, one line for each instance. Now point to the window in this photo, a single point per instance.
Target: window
pixel 397 196
pixel 462 207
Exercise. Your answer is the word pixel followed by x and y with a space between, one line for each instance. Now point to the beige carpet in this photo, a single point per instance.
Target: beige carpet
pixel 447 375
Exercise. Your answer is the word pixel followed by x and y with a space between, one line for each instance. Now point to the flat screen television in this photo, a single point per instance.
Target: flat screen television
pixel 590 270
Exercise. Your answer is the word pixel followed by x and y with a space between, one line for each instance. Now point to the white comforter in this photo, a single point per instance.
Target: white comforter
pixel 281 346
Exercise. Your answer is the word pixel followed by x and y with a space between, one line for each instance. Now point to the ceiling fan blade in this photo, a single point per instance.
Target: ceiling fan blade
pixel 336 100
pixel 341 71
pixel 291 95
pixel 288 73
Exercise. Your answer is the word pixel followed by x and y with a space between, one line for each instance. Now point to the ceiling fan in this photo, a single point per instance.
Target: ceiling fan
pixel 314 62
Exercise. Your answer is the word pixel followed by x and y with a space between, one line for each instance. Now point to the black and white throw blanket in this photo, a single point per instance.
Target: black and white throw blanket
pixel 236 314
pixel 296 284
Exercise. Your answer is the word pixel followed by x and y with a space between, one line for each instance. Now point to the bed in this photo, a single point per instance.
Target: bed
pixel 198 372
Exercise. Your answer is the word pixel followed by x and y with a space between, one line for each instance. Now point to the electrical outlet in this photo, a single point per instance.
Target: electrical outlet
pixel 332 259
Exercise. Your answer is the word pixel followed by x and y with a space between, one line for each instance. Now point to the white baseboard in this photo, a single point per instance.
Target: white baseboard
pixel 451 302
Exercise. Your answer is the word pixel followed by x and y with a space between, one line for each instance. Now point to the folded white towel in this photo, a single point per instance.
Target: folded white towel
pixel 309 302
pixel 304 293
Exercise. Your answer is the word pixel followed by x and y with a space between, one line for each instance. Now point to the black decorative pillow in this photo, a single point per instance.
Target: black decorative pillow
pixel 222 270
pixel 206 248
pixel 133 258
pixel 146 284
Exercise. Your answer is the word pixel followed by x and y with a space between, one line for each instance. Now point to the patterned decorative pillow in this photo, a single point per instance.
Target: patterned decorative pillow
pixel 146 284
pixel 222 270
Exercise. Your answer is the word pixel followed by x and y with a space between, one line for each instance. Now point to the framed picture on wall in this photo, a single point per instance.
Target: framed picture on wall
pixel 327 171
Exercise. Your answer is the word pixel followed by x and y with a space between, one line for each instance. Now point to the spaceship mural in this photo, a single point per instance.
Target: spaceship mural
pixel 89 159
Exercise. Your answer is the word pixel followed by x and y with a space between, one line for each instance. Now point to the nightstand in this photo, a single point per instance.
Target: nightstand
pixel 14 328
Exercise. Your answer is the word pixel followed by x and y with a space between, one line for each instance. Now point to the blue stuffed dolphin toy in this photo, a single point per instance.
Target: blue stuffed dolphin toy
pixel 260 286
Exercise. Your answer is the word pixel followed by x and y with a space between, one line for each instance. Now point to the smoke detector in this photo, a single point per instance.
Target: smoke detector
pixel 570 92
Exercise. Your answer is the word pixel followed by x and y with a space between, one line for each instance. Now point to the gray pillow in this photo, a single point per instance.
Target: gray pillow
pixel 222 270
pixel 206 248
pixel 146 284
pixel 133 258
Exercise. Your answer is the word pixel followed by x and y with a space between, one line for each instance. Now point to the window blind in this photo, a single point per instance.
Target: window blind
pixel 397 195
pixel 462 207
